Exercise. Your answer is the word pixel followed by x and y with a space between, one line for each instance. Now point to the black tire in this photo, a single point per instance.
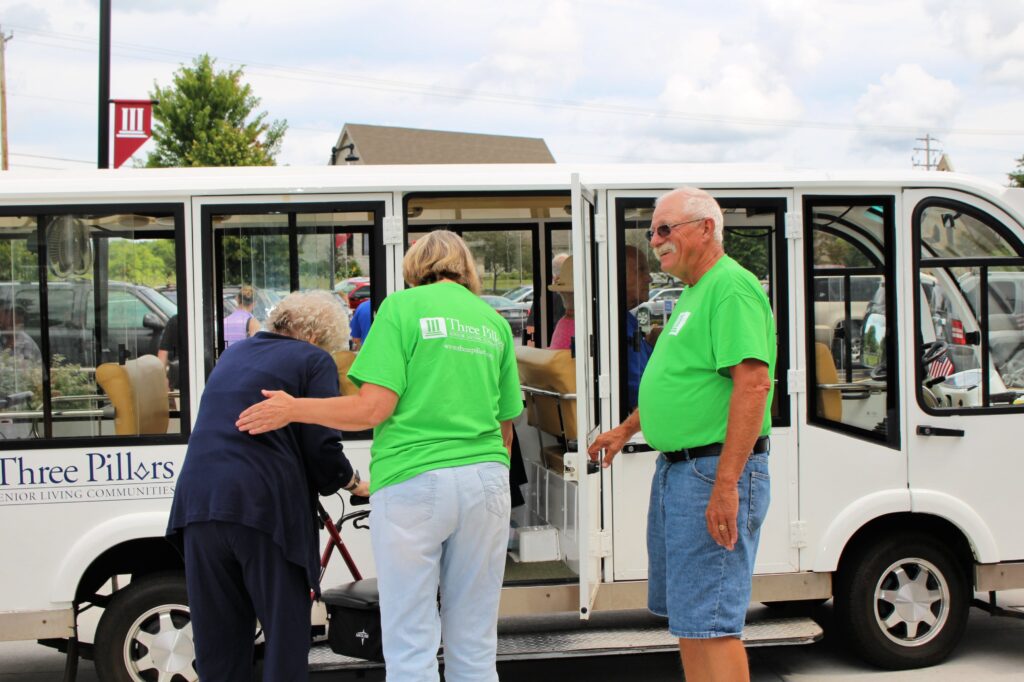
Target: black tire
pixel 145 633
pixel 903 602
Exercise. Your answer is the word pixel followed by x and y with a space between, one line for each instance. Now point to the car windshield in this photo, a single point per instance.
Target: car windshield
pixel 498 301
pixel 166 306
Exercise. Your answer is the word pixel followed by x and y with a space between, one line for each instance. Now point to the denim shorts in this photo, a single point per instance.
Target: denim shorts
pixel 701 587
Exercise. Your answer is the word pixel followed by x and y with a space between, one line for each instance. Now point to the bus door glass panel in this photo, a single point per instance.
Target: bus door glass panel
pixel 253 267
pixel 21 362
pixel 647 297
pixel 970 311
pixel 751 236
pixel 504 260
pixel 851 326
pixel 125 312
pixel 334 254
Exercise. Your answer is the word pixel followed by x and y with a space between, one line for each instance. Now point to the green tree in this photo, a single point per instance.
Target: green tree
pixel 207 118
pixel 1017 176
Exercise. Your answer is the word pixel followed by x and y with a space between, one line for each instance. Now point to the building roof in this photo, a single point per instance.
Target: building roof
pixel 376 145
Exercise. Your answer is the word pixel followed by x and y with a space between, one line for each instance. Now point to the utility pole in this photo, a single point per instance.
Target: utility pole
pixel 928 164
pixel 3 96
pixel 103 139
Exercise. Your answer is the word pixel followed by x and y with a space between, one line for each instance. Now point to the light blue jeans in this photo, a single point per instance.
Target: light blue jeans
pixel 446 529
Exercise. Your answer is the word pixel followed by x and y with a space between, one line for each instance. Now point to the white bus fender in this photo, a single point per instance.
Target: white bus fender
pixel 98 540
pixel 961 515
pixel 852 518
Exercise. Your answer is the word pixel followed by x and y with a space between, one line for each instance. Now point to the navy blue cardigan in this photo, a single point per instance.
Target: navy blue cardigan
pixel 268 482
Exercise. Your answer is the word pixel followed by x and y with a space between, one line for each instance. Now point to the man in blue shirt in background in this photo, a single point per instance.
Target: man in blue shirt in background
pixel 359 326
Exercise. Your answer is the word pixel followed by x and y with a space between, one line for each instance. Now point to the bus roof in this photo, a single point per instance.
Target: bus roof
pixel 25 186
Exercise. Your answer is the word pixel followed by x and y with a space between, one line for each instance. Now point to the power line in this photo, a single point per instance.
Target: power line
pixel 467 94
pixel 52 158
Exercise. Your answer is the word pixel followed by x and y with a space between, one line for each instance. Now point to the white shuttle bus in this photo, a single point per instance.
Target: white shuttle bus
pixel 897 418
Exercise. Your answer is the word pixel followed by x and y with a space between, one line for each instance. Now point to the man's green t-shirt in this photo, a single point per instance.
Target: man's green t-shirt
pixel 450 358
pixel 722 320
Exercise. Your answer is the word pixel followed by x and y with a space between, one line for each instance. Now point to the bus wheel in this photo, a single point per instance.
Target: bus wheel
pixel 146 634
pixel 902 603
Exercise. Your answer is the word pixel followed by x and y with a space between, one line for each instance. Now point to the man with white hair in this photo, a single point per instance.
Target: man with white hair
pixel 704 403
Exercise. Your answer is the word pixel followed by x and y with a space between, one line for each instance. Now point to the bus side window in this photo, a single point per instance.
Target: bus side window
pixel 851 315
pixel 97 307
pixel 970 312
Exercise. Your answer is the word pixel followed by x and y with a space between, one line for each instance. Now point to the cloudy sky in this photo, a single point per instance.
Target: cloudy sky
pixel 802 83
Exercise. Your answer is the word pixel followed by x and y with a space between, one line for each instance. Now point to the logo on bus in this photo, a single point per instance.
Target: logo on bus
pixel 433 327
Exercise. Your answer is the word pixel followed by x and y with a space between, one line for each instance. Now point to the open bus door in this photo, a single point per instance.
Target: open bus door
pixel 588 404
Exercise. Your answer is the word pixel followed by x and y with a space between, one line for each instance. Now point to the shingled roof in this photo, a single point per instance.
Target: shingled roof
pixel 389 145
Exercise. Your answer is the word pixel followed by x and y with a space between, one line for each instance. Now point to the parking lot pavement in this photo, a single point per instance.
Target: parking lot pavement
pixel 992 649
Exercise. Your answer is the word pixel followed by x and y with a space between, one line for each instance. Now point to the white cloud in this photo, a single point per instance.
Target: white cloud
pixel 907 96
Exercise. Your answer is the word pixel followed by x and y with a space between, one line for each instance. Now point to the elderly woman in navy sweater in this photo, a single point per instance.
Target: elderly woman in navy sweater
pixel 244 506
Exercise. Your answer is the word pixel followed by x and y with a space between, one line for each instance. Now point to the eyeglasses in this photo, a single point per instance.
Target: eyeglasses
pixel 665 230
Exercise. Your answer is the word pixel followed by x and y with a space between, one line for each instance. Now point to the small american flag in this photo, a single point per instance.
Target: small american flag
pixel 941 366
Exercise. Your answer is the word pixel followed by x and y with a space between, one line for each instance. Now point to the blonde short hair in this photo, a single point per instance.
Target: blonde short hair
pixel 314 316
pixel 441 255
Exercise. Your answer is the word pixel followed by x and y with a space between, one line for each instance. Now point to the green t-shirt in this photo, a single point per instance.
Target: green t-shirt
pixel 450 358
pixel 717 323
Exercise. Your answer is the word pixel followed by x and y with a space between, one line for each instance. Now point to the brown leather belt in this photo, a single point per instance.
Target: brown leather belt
pixel 712 450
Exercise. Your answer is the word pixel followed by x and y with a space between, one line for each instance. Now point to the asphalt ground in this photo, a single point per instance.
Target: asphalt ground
pixel 992 649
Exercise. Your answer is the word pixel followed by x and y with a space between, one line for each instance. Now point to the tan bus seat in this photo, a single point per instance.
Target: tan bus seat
pixel 344 359
pixel 138 391
pixel 829 400
pixel 548 378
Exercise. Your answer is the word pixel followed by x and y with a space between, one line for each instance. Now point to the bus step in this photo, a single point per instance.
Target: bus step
pixel 603 641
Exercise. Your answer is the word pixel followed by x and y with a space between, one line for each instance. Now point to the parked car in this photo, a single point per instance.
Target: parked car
pixel 136 317
pixel 521 294
pixel 657 307
pixel 353 291
pixel 170 291
pixel 514 313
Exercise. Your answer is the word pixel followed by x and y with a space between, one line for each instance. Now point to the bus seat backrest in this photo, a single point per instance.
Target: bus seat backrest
pixel 830 400
pixel 549 370
pixel 138 391
pixel 344 359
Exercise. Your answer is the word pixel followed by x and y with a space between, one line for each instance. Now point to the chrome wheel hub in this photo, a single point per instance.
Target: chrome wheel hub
pixel 911 602
pixel 159 646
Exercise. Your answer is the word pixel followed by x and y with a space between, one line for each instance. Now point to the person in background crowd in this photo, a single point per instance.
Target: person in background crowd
pixel 13 337
pixel 359 327
pixel 639 348
pixel 167 351
pixel 704 403
pixel 244 508
pixel 565 327
pixel 439 384
pixel 241 324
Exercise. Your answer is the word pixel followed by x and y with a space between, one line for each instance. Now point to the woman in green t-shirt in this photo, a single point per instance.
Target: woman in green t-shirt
pixel 439 385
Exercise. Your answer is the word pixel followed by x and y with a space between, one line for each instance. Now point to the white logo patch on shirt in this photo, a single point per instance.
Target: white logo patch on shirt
pixel 677 326
pixel 433 327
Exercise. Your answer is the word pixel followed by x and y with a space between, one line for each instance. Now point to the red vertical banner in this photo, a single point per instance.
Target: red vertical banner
pixel 133 125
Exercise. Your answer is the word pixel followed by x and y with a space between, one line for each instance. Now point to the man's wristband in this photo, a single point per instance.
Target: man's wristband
pixel 354 483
